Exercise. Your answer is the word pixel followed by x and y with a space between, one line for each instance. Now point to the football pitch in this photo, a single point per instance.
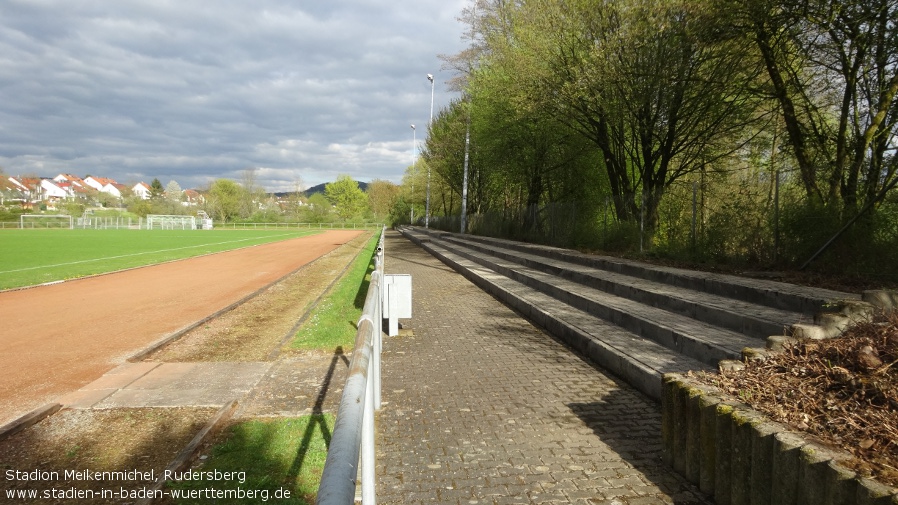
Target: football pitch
pixel 30 257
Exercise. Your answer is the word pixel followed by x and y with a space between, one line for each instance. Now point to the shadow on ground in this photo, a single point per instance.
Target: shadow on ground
pixel 639 444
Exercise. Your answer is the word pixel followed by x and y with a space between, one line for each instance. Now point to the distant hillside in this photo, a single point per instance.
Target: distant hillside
pixel 318 189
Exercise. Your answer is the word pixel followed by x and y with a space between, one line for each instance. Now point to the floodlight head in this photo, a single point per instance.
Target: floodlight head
pixel 430 77
pixel 413 127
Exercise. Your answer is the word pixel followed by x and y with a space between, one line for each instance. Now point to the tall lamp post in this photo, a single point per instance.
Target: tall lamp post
pixel 429 125
pixel 464 183
pixel 414 162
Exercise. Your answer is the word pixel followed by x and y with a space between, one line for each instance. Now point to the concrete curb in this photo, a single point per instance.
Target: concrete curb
pixel 740 457
pixel 28 420
pixel 189 451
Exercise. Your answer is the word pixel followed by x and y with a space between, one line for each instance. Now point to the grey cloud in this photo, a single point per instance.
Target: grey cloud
pixel 192 91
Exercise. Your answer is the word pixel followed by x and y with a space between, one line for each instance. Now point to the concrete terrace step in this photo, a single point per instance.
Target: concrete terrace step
pixel 790 297
pixel 637 320
pixel 704 342
pixel 639 361
pixel 747 318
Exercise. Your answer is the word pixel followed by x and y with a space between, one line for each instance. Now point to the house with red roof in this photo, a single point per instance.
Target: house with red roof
pixel 98 183
pixel 142 190
pixel 105 185
pixel 192 197
pixel 52 191
pixel 31 189
pixel 11 192
pixel 74 179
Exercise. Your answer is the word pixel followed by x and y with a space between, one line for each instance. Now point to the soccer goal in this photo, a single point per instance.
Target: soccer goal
pixel 170 222
pixel 45 221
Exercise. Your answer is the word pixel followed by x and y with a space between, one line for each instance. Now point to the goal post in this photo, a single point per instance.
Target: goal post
pixel 170 222
pixel 32 221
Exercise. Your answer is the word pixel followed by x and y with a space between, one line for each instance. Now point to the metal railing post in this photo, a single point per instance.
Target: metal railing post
pixel 378 317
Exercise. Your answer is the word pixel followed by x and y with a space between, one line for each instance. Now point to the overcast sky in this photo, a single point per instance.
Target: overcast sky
pixel 192 91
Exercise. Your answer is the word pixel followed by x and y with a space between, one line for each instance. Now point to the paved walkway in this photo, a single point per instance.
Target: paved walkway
pixel 294 385
pixel 151 384
pixel 481 407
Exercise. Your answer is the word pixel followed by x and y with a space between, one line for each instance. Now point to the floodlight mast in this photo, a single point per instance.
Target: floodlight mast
pixel 429 125
pixel 411 218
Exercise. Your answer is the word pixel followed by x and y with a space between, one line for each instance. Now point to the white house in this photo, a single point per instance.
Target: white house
pixel 10 191
pixel 142 190
pixel 76 181
pixel 104 185
pixel 29 187
pixel 52 190
pixel 95 182
pixel 113 188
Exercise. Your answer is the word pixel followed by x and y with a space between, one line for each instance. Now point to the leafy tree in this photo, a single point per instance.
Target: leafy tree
pixel 443 155
pixel 106 199
pixel 140 207
pixel 345 195
pixel 319 209
pixel 400 212
pixel 225 200
pixel 413 190
pixel 294 204
pixel 253 195
pixel 832 73
pixel 382 196
pixel 661 102
pixel 173 191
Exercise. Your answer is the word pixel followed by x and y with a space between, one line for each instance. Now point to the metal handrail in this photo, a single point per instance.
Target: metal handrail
pixel 354 428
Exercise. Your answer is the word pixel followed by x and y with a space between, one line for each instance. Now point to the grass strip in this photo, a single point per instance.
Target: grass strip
pixel 332 323
pixel 281 460
pixel 270 460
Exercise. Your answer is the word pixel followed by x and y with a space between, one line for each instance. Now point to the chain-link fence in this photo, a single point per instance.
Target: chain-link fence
pixel 745 226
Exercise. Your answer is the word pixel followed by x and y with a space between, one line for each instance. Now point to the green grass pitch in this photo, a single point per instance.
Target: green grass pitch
pixel 29 257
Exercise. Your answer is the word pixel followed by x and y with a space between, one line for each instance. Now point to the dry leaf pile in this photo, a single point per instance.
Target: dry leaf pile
pixel 844 391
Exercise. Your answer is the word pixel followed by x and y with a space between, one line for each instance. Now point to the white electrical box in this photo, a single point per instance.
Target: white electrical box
pixel 397 296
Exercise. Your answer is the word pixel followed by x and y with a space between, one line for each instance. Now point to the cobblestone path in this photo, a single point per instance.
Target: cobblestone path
pixel 481 407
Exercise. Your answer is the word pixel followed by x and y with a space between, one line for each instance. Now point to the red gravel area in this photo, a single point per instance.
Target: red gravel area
pixel 55 339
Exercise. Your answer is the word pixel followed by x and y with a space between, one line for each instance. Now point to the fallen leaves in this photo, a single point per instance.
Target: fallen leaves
pixel 842 390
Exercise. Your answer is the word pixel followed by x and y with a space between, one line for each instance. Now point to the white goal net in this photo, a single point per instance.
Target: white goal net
pixel 31 221
pixel 170 222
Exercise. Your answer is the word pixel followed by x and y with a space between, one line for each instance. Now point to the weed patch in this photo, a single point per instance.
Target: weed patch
pixel 333 323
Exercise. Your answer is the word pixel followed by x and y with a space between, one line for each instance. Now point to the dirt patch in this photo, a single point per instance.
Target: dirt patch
pixel 843 391
pixel 118 440
pixel 251 331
